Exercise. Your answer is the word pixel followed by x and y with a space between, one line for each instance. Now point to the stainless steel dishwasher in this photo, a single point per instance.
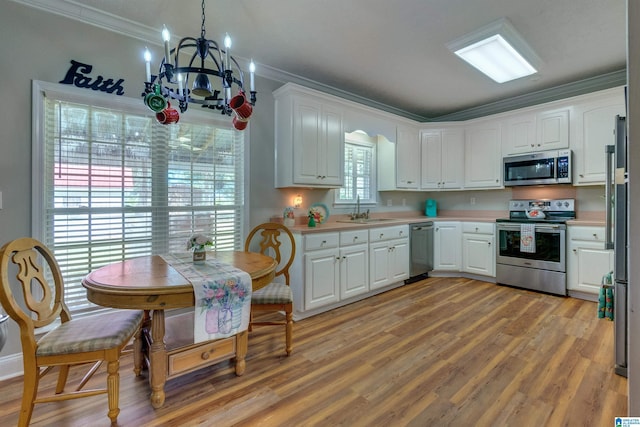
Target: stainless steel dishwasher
pixel 421 253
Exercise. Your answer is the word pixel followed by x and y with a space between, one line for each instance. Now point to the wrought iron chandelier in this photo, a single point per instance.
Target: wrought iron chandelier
pixel 206 59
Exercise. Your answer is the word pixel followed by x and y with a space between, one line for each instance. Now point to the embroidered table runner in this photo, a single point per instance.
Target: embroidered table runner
pixel 222 293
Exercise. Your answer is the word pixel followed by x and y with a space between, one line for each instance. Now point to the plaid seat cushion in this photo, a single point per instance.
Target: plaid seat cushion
pixel 98 332
pixel 273 293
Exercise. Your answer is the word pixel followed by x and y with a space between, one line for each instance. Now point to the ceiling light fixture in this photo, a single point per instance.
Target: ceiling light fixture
pixel 498 51
pixel 206 59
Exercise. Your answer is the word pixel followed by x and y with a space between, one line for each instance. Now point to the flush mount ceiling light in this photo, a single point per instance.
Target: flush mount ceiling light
pixel 205 59
pixel 498 51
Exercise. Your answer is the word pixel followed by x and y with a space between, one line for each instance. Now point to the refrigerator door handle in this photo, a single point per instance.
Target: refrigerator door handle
pixel 608 196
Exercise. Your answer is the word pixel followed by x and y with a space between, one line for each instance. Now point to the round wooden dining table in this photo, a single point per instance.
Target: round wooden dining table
pixel 149 283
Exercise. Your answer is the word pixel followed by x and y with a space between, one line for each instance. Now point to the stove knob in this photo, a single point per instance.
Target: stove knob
pixel 566 204
pixel 559 203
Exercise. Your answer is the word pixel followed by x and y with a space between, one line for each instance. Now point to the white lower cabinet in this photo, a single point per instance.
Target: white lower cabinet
pixel 388 255
pixel 339 267
pixel 587 259
pixel 478 248
pixel 354 263
pixel 447 246
pixel 321 270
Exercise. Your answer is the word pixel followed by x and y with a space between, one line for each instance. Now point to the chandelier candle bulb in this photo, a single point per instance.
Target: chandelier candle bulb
pixel 227 47
pixel 252 70
pixel 166 37
pixel 147 61
pixel 179 84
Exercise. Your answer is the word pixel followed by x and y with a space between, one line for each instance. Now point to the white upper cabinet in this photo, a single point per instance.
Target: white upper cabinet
pixel 407 158
pixel 520 133
pixel 552 130
pixel 592 129
pixel 442 153
pixel 309 137
pixel 482 154
pixel 536 130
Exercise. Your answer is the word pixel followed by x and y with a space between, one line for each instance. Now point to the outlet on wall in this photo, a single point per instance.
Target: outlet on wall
pixel 472 201
pixel 404 202
pixel 389 202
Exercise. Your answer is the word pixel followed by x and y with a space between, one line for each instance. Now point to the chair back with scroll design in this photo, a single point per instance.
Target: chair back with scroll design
pixel 274 240
pixel 73 342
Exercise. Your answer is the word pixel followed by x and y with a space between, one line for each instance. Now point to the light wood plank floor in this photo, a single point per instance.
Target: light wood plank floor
pixel 444 351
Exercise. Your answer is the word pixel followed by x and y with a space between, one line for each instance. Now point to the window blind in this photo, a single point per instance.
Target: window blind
pixel 116 185
pixel 359 173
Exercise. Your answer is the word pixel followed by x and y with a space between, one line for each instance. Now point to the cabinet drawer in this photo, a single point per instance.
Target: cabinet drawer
pixel 353 237
pixel 320 241
pixel 205 354
pixel 591 234
pixel 388 233
pixel 478 227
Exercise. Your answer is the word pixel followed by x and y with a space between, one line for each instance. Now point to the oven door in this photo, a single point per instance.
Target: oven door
pixel 550 247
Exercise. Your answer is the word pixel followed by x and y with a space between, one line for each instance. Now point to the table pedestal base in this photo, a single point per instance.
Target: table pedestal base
pixel 171 351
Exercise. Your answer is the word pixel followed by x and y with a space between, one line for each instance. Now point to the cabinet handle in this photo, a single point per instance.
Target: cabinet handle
pixel 581 175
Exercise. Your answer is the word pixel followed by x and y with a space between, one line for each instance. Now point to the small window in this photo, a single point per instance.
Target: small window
pixel 359 170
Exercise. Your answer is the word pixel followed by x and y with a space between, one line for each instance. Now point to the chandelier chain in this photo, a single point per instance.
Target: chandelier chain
pixel 202 30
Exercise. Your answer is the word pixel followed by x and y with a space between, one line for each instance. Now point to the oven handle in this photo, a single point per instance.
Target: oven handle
pixel 539 228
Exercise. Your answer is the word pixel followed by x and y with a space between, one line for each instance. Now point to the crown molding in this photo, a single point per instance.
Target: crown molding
pixel 580 87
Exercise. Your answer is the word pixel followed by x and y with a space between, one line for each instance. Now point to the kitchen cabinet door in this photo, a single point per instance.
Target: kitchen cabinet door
pixel 479 254
pixel 399 260
pixel 309 135
pixel 407 158
pixel 319 143
pixel 587 260
pixel 322 278
pixel 592 129
pixel 354 270
pixel 482 154
pixel 520 134
pixel 442 153
pixel 447 246
pixel 552 130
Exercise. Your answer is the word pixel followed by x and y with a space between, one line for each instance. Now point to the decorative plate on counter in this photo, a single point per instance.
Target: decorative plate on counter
pixel 322 210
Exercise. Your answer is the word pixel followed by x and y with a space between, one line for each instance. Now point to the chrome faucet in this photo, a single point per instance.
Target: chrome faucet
pixel 357 215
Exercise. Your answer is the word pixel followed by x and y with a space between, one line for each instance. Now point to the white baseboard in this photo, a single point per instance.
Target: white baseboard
pixel 11 366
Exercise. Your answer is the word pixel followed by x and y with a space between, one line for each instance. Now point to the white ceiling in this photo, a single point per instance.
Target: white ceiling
pixel 391 52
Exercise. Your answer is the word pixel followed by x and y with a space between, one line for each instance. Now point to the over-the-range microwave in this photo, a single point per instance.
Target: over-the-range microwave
pixel 545 167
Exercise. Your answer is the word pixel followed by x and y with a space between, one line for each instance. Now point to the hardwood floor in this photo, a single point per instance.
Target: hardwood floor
pixel 444 351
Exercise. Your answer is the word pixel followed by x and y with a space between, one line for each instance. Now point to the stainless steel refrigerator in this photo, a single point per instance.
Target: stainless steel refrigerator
pixel 616 193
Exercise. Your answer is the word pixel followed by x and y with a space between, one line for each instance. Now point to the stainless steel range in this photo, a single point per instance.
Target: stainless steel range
pixel 531 250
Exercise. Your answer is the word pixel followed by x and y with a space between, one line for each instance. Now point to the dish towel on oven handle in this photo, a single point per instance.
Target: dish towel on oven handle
pixel 222 296
pixel 528 238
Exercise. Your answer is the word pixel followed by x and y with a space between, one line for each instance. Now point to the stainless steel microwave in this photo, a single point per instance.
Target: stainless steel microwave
pixel 545 167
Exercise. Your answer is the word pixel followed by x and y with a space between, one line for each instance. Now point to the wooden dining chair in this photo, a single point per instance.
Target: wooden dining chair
pixel 276 241
pixel 92 339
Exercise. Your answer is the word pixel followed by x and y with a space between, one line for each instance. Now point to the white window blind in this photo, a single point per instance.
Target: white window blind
pixel 116 184
pixel 359 173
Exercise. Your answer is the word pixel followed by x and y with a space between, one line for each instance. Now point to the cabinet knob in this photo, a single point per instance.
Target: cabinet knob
pixel 381 235
pixel 489 243
pixel 595 236
pixel 581 175
pixel 205 355
pixel 355 238
pixel 324 242
pixel 575 251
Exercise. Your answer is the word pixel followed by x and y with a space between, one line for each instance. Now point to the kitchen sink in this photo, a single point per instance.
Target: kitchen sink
pixel 364 220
